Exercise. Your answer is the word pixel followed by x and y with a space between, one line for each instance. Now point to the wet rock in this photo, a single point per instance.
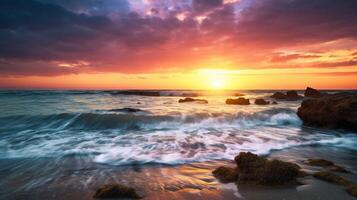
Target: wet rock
pixel 188 99
pixel 293 96
pixel 332 178
pixel 239 101
pixel 320 162
pixel 127 110
pixel 278 95
pixel 327 164
pixel 115 191
pixel 274 103
pixel 330 111
pixel 238 94
pixel 261 102
pixel 289 96
pixel 136 92
pixel 313 93
pixel 352 190
pixel 226 174
pixel 254 169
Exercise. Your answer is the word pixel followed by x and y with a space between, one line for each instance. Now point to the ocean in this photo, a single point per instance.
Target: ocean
pixel 46 135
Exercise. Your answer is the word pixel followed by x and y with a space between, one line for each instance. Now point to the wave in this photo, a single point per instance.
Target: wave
pixel 128 118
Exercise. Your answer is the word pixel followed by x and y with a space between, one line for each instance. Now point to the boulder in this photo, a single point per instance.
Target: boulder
pixel 239 101
pixel 313 93
pixel 253 169
pixel 330 111
pixel 278 95
pixel 238 94
pixel 261 102
pixel 116 191
pixel 188 99
pixel 293 96
pixel 289 96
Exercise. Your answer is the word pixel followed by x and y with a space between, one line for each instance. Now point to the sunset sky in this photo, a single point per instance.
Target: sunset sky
pixel 182 44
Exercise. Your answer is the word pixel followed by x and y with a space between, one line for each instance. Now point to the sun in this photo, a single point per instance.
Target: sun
pixel 217 84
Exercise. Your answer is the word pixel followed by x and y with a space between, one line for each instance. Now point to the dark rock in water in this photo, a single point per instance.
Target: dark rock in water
pixel 327 164
pixel 289 96
pixel 320 162
pixel 293 96
pixel 129 110
pixel 137 92
pixel 278 95
pixel 330 111
pixel 261 102
pixel 238 94
pixel 188 99
pixel 190 94
pixel 352 190
pixel 313 93
pixel 332 178
pixel 226 174
pixel 274 103
pixel 116 191
pixel 252 168
pixel 239 101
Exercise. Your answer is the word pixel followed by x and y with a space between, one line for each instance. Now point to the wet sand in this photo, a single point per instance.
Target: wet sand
pixel 77 178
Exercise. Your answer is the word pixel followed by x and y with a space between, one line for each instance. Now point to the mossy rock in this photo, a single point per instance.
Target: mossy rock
pixel 226 174
pixel 116 191
pixel 332 178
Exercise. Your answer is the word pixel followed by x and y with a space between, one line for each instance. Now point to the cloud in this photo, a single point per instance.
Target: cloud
pixel 147 36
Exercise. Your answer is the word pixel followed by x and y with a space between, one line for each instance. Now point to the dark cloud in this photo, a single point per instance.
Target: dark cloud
pixel 112 35
pixel 279 22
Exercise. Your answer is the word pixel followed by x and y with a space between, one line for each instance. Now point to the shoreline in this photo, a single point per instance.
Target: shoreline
pixel 187 181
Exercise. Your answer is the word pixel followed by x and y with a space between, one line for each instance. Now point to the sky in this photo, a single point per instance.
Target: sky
pixel 178 44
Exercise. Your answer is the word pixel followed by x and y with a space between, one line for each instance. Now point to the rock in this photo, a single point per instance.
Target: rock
pixel 261 102
pixel 188 99
pixel 289 96
pixel 320 162
pixel 274 103
pixel 330 111
pixel 238 94
pixel 327 164
pixel 332 178
pixel 116 191
pixel 137 92
pixel 278 95
pixel 293 96
pixel 226 174
pixel 313 93
pixel 352 190
pixel 239 101
pixel 254 169
pixel 127 110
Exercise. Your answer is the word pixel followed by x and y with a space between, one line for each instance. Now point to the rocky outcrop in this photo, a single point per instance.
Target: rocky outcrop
pixel 330 111
pixel 116 191
pixel 253 169
pixel 261 102
pixel 313 93
pixel 188 99
pixel 239 101
pixel 289 96
pixel 326 164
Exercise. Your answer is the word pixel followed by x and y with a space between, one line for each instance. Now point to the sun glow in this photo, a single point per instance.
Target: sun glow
pixel 217 84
